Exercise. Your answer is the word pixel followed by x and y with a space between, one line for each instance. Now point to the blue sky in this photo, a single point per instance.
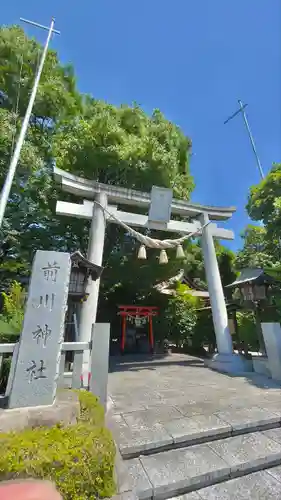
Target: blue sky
pixel 192 59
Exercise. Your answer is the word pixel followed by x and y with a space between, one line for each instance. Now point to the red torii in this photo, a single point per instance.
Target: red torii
pixel 137 312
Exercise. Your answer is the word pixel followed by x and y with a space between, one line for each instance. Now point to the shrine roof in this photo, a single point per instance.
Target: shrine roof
pixel 230 306
pixel 78 257
pixel 194 288
pixel 250 275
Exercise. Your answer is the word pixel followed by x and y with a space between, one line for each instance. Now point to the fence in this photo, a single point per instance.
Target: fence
pixel 71 378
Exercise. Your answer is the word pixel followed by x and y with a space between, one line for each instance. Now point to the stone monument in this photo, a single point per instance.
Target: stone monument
pixel 37 366
pixel 272 339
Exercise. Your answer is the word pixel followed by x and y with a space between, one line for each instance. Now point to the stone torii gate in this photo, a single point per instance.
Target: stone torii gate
pixel 96 199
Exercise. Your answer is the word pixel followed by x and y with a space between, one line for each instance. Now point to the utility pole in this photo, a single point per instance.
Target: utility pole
pixel 242 110
pixel 16 154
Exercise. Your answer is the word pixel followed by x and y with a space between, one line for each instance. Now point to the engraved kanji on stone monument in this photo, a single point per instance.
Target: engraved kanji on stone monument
pixel 44 301
pixel 51 271
pixel 42 334
pixel 37 368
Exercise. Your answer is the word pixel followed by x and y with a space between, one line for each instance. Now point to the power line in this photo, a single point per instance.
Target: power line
pixel 242 110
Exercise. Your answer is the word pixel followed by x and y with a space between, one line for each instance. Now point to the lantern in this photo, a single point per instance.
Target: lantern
pixel 253 284
pixel 252 292
pixel 138 321
pixel 81 270
pixel 78 280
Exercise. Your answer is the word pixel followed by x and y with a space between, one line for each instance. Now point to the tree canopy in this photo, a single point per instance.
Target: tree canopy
pixel 258 249
pixel 124 144
pixel 28 211
pixel 262 244
pixel 118 145
pixel 264 203
pixel 57 96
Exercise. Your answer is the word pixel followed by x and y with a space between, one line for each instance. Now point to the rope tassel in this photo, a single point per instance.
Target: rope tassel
pixel 146 241
pixel 163 259
pixel 180 253
pixel 142 253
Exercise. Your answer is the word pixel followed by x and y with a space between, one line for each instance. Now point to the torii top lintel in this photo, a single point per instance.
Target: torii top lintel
pixel 88 189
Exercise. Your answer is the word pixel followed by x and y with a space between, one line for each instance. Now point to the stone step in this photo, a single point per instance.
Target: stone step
pixel 136 436
pixel 265 484
pixel 181 471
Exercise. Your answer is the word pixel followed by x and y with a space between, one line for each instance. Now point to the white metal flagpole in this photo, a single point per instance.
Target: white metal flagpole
pixel 16 154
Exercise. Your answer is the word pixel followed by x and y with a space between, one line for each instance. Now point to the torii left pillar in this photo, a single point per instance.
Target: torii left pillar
pixel 95 254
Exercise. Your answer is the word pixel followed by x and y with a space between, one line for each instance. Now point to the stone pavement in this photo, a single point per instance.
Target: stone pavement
pixel 181 427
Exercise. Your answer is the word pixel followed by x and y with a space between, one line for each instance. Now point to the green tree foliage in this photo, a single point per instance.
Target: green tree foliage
pixel 11 319
pixel 204 333
pixel 226 261
pixel 258 249
pixel 247 329
pixel 117 145
pixel 262 244
pixel 90 138
pixel 57 96
pixel 264 204
pixel 194 263
pixel 264 201
pixel 181 315
pixel 28 211
pixel 109 143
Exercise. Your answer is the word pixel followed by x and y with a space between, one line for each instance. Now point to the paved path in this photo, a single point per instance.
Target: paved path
pixel 189 419
pixel 183 382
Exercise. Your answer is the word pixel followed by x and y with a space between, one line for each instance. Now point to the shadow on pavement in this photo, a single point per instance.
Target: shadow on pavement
pixel 257 380
pixel 149 362
pixel 139 362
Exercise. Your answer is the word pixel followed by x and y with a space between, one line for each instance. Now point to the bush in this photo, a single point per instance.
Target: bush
pixel 11 319
pixel 4 374
pixel 91 410
pixel 181 316
pixel 247 329
pixel 204 333
pixel 79 459
pixel 6 337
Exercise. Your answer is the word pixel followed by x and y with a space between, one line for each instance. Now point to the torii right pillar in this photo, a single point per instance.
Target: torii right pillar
pixel 225 360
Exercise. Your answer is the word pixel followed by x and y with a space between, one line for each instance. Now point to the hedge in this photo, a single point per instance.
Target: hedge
pixel 79 459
